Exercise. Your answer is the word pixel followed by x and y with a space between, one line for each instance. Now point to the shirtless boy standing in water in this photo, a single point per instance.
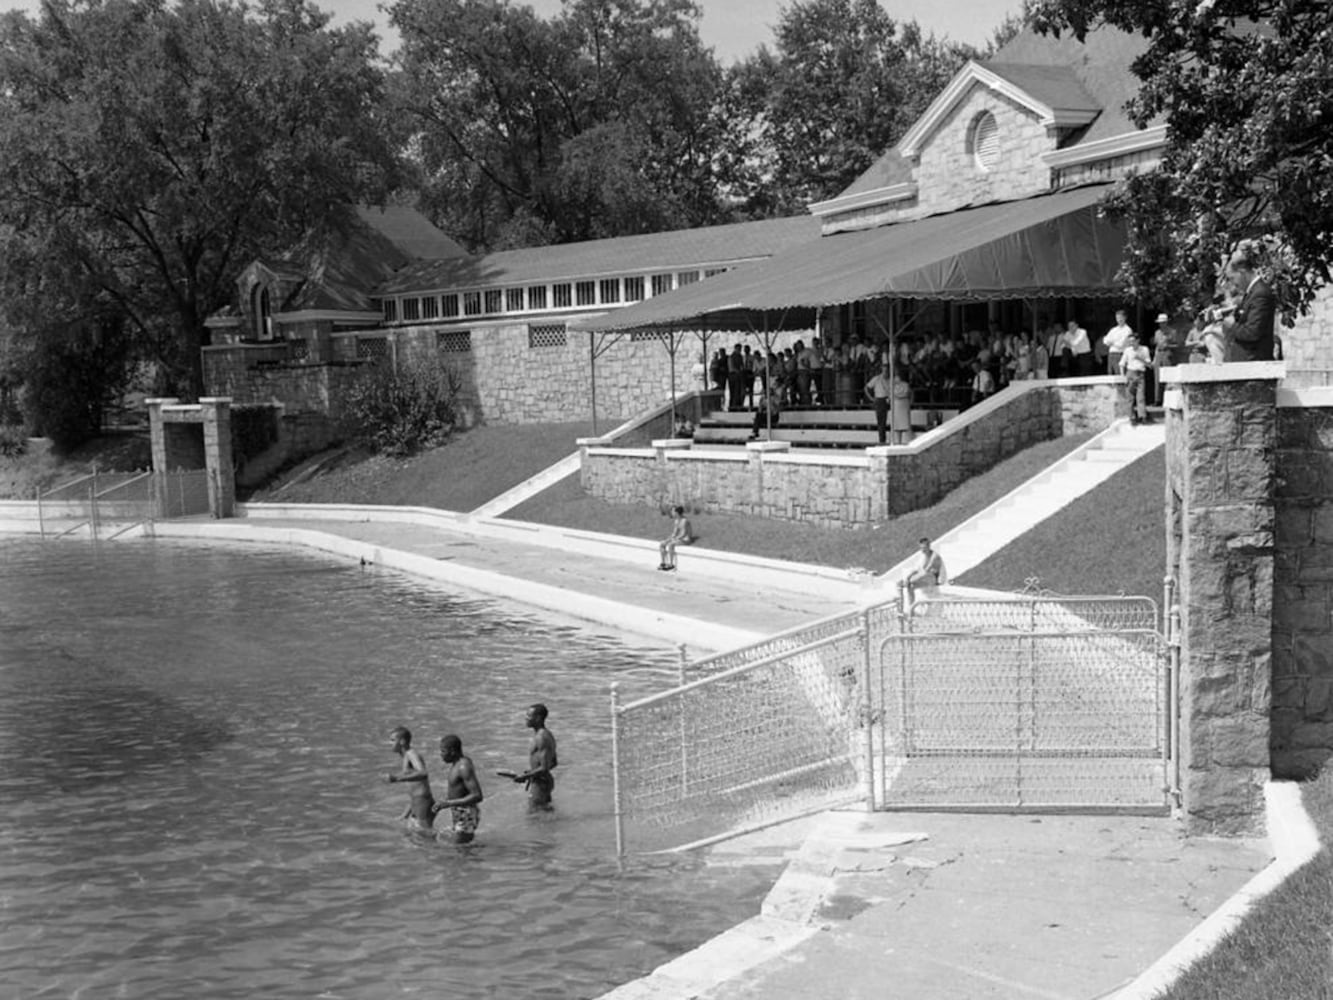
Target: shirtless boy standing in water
pixel 420 807
pixel 541 760
pixel 463 792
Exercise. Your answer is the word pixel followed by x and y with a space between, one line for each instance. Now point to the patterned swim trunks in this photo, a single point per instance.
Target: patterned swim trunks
pixel 466 818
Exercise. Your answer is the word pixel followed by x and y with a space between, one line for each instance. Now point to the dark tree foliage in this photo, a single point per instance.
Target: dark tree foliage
pixel 1243 87
pixel 842 84
pixel 602 121
pixel 148 151
pixel 72 374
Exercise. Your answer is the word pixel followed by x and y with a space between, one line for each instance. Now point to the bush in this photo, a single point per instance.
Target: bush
pixel 254 429
pixel 13 442
pixel 399 412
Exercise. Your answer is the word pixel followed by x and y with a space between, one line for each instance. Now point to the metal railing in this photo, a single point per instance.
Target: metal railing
pixel 1023 703
pixel 104 504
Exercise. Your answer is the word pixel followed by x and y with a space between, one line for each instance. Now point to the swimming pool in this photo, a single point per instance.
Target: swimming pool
pixel 192 749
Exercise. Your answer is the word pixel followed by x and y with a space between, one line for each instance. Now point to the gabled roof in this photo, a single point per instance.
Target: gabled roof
pixel 410 231
pixel 717 245
pixel 1089 79
pixel 1100 64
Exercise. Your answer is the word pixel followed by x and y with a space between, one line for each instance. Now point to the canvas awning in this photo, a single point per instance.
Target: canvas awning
pixel 1054 245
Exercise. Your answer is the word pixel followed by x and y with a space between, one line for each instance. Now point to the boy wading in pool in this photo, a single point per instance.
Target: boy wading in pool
pixel 463 793
pixel 541 761
pixel 421 806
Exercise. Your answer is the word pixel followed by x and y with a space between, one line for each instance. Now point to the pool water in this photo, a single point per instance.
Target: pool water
pixel 193 744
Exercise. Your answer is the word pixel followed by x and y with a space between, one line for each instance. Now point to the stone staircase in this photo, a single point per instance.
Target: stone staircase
pixel 981 536
pixel 549 476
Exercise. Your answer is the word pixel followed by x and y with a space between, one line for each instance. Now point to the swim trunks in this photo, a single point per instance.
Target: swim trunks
pixel 466 818
pixel 540 787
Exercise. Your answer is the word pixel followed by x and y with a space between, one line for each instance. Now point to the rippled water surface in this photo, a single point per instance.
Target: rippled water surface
pixel 192 750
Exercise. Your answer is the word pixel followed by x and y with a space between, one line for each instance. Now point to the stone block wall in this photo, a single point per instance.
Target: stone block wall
pixel 510 381
pixel 300 388
pixel 1302 720
pixel 948 177
pixel 838 490
pixel 1307 347
pixel 1222 516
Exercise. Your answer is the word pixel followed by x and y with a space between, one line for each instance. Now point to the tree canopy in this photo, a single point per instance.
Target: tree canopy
pixel 1243 88
pixel 602 121
pixel 843 83
pixel 149 152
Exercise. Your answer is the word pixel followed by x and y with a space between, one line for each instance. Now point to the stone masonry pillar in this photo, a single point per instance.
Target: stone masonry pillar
pixel 157 429
pixel 1221 503
pixel 217 455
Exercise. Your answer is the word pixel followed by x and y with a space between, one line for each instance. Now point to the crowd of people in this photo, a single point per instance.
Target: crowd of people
pixel 954 371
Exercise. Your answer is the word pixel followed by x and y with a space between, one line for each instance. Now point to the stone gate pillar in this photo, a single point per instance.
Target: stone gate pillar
pixel 217 455
pixel 1221 496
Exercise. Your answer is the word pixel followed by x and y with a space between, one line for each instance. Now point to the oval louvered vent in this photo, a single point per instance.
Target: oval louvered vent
pixel 985 140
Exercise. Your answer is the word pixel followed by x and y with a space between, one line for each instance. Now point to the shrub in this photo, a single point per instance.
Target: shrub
pixel 13 442
pixel 254 428
pixel 400 411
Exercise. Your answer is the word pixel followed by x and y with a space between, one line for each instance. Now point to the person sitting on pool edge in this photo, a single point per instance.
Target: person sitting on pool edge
pixel 463 792
pixel 421 806
pixel 681 534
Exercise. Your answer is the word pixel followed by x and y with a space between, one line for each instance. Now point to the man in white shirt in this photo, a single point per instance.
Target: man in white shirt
pixel 1115 341
pixel 1080 347
pixel 1134 363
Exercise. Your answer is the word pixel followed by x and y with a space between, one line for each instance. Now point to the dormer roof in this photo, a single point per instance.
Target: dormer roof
pixel 1053 94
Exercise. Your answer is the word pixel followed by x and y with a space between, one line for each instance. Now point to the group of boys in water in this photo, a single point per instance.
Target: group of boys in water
pixel 463 791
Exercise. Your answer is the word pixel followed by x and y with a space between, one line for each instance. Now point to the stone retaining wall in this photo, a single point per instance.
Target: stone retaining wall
pixel 1302 631
pixel 838 489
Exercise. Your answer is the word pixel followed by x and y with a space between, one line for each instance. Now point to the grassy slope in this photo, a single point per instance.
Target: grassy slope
pixel 21 477
pixel 1109 541
pixel 1283 949
pixel 461 475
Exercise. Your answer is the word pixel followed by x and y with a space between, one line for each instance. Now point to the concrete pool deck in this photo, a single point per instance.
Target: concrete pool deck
pixel 921 906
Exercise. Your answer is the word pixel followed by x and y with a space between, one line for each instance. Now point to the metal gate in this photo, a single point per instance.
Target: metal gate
pixel 1038 704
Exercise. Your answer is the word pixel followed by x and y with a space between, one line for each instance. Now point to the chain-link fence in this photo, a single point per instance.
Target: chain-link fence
pixel 1038 720
pixel 102 504
pixel 764 741
pixel 1033 614
pixel 1033 702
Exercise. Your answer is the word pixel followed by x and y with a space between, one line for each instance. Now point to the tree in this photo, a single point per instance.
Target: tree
pixel 843 83
pixel 599 122
pixel 1243 89
pixel 148 152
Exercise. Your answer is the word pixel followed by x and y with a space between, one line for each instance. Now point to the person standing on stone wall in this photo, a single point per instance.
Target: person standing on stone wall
pixel 1249 330
pixel 879 390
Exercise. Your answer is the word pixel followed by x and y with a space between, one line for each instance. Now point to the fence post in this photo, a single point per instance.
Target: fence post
pixel 1173 706
pixel 682 665
pixel 41 523
pixel 615 771
pixel 868 709
pixel 92 505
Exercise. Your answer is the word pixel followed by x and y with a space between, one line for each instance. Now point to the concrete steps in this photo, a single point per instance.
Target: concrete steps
pixel 977 539
pixel 549 476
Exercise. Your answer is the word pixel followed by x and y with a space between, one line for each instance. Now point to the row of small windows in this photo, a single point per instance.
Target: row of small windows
pixel 456 341
pixel 536 298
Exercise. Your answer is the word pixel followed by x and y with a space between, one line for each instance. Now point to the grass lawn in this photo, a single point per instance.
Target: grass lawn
pixel 875 547
pixel 1112 540
pixel 1283 950
pixel 461 475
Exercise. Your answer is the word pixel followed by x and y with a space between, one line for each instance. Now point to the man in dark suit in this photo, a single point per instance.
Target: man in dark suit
pixel 1250 330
